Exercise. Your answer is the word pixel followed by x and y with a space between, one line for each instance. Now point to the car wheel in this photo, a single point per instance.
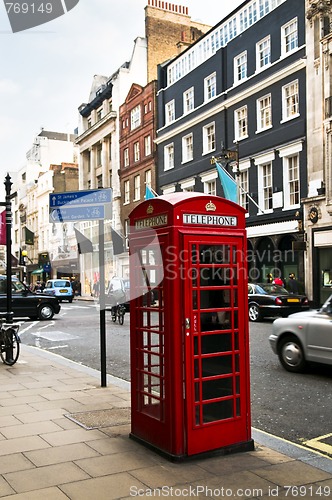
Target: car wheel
pixel 45 312
pixel 254 312
pixel 70 301
pixel 291 354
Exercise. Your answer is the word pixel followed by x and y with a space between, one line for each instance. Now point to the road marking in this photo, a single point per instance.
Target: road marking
pixel 318 444
pixel 28 327
pixel 57 347
pixel 46 326
pixel 54 336
pixel 303 446
pixel 67 308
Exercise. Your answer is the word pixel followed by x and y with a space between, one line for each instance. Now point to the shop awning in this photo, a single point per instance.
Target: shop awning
pixel 38 271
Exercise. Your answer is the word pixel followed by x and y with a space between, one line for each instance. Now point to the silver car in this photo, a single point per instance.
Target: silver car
pixel 303 337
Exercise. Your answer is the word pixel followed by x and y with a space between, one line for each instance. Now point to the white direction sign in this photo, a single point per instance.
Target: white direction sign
pixel 74 206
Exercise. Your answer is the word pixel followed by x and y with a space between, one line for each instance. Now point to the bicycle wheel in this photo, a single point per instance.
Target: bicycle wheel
pixel 10 350
pixel 121 316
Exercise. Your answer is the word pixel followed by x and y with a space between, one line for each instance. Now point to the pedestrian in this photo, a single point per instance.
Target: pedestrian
pixel 293 284
pixel 269 278
pixel 278 281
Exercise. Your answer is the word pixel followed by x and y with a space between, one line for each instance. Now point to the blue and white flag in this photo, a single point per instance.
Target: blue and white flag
pixel 228 183
pixel 149 193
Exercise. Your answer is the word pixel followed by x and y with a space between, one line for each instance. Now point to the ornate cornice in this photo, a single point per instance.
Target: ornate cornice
pixel 318 7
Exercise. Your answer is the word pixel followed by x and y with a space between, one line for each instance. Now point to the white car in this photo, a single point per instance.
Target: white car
pixel 303 337
pixel 59 288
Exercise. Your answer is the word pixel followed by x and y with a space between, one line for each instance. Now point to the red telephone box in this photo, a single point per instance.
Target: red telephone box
pixel 189 325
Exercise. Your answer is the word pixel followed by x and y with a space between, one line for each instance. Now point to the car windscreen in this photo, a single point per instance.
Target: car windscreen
pixel 17 286
pixel 59 284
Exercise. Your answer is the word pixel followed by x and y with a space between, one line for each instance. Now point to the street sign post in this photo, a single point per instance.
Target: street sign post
pixel 93 204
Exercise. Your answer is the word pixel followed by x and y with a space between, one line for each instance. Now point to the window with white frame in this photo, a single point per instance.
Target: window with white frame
pixel 188 100
pixel 126 157
pixel 243 181
pixel 148 178
pixel 264 7
pixel 240 67
pixel 135 117
pixel 188 185
pixel 210 87
pixel 264 113
pixel 289 37
pixel 126 232
pixel 263 53
pixel 126 190
pixel 187 148
pixel 147 145
pixel 265 186
pixel 210 187
pixel 290 101
pixel 169 156
pixel 137 187
pixel 170 112
pixel 241 123
pixel 291 181
pixel 136 151
pixel 209 138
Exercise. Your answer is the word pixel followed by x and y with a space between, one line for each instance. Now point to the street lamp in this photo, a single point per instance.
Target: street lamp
pixel 24 254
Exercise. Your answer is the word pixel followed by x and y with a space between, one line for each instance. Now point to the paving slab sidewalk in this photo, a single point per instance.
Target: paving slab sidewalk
pixel 46 452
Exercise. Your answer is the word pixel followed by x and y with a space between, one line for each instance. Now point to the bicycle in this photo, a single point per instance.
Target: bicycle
pixel 118 312
pixel 9 343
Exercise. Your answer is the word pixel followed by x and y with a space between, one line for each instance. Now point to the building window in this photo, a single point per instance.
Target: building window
pixel 290 101
pixel 210 187
pixel 170 112
pixel 241 123
pixel 99 155
pixel 187 148
pixel 99 181
pixel 292 181
pixel 188 100
pixel 265 186
pixel 126 157
pixel 169 157
pixel 135 117
pixel 263 53
pixel 210 87
pixel 209 138
pixel 147 145
pixel 148 178
pixel 289 40
pixel 243 180
pixel 137 187
pixel 99 114
pixel 126 192
pixel 89 122
pixel 264 113
pixel 240 67
pixel 136 151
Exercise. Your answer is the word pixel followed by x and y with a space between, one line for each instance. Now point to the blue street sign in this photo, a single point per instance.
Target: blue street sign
pixel 81 198
pixel 73 206
pixel 72 214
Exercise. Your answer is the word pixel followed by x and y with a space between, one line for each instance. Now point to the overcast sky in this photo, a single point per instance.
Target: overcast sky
pixel 46 72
